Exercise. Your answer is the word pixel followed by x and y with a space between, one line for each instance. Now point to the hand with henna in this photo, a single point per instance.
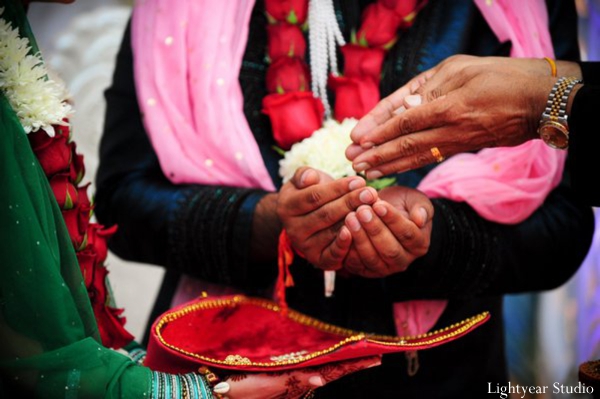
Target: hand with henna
pixel 463 104
pixel 389 235
pixel 290 384
pixel 312 208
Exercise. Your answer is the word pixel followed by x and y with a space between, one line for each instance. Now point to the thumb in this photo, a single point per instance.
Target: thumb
pixel 304 177
pixel 420 210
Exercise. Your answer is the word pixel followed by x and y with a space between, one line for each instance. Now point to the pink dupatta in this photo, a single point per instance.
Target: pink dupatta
pixel 187 57
pixel 504 185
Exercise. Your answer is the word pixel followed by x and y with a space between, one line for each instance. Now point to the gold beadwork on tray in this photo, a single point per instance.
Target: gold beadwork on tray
pixel 294 355
pixel 237 360
pixel 351 336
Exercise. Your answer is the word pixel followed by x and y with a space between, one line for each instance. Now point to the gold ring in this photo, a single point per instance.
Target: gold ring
pixel 437 154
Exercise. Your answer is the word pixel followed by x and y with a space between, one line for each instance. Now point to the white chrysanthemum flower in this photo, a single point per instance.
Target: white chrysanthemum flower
pixel 324 150
pixel 38 101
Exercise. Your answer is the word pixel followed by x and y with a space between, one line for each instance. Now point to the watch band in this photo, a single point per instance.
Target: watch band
pixel 556 106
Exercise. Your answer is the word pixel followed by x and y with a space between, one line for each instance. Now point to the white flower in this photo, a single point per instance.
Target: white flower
pixel 324 150
pixel 38 101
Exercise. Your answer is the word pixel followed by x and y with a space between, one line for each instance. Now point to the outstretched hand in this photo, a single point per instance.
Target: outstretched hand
pixel 291 384
pixel 468 103
pixel 312 207
pixel 389 235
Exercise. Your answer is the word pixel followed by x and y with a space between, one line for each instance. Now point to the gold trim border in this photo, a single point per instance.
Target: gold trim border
pixel 431 338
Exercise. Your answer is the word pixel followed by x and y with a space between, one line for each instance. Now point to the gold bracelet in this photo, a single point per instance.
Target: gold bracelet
pixel 552 66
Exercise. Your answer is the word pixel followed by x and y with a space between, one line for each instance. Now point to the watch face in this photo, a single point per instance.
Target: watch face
pixel 554 134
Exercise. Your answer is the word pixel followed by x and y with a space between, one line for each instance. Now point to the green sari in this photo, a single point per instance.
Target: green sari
pixel 49 341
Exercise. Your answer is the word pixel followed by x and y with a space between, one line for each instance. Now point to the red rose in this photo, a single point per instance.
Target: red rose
pixel 378 26
pixel 84 199
pixel 110 325
pixel 402 8
pixel 292 11
pixel 83 220
pixel 74 223
pixel 77 167
pixel 110 322
pixel 87 262
pixel 285 40
pixel 288 74
pixel 53 153
pixel 294 116
pixel 64 191
pixel 354 97
pixel 363 61
pixel 96 240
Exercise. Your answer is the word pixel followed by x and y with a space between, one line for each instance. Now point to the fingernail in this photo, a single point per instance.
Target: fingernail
pixel 365 216
pixel 316 381
pixel 353 223
pixel 380 210
pixel 305 175
pixel 358 131
pixel 366 196
pixel 353 151
pixel 374 174
pixel 414 86
pixel 221 387
pixel 344 234
pixel 423 213
pixel 367 144
pixel 413 100
pixel 355 183
pixel 359 167
pixel 399 110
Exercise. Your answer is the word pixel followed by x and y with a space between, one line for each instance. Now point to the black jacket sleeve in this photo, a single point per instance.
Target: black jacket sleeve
pixel 471 256
pixel 203 231
pixel 584 139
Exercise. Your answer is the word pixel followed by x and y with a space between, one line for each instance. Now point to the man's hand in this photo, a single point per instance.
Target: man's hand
pixel 389 235
pixel 312 207
pixel 468 103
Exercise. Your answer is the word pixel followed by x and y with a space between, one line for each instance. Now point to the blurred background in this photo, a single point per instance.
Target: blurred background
pixel 548 335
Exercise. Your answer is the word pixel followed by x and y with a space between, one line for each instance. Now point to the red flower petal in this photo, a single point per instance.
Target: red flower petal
pixel 64 191
pixel 363 61
pixel 354 96
pixel 285 40
pixel 292 11
pixel 378 27
pixel 294 116
pixel 288 74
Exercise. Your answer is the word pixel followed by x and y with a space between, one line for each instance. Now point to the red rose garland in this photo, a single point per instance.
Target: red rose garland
pixel 293 110
pixel 65 169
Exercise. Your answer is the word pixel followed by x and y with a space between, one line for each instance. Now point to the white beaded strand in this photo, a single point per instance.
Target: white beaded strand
pixel 324 37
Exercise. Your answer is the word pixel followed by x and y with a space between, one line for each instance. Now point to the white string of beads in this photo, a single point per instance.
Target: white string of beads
pixel 324 37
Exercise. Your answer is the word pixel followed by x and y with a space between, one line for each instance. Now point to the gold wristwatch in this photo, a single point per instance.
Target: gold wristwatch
pixel 553 128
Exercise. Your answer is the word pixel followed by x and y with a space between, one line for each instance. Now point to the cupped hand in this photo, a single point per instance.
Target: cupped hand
pixel 291 384
pixel 312 207
pixel 468 103
pixel 389 235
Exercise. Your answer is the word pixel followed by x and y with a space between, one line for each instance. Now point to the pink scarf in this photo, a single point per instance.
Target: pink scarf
pixel 187 57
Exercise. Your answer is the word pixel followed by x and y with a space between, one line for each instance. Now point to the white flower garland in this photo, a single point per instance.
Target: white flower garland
pixel 38 101
pixel 324 150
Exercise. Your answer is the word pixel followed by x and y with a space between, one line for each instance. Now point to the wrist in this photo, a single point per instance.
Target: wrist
pixel 572 97
pixel 569 68
pixel 538 97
